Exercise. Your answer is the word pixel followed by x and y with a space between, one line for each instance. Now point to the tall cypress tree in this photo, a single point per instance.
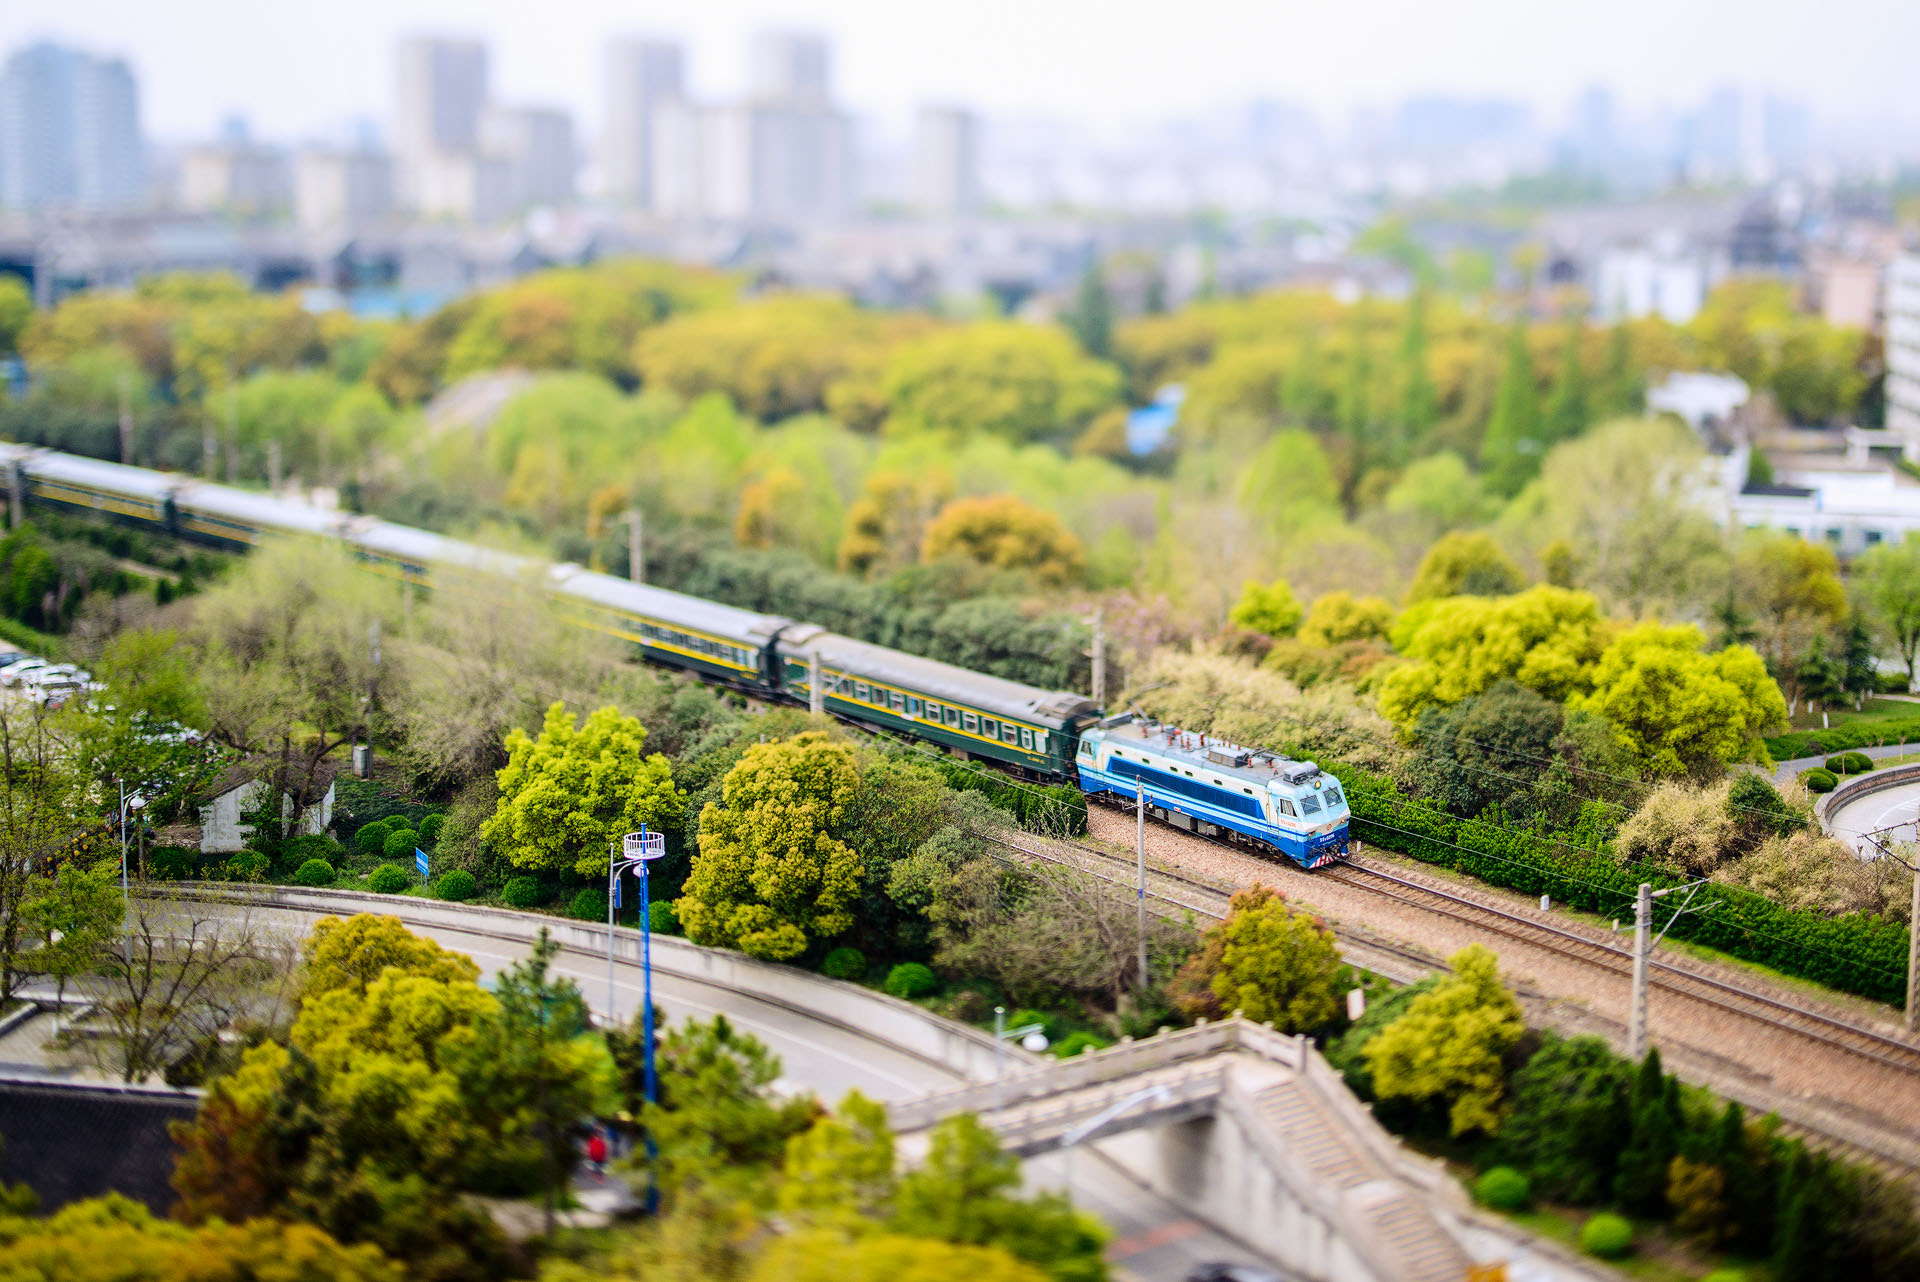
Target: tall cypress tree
pixel 1746 1187
pixel 1300 387
pixel 1640 1182
pixel 1510 451
pixel 1619 393
pixel 1092 317
pixel 1567 410
pixel 1419 402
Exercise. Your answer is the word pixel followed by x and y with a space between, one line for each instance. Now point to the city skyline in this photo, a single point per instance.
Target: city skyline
pixel 1102 66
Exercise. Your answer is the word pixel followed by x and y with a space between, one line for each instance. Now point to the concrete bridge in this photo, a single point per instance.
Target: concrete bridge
pixel 1248 1132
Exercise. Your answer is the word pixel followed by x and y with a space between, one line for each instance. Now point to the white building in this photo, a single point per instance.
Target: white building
pixel 1903 353
pixel 236 177
pixel 641 75
pixel 465 186
pixel 535 144
pixel 1703 401
pixel 341 188
pixel 222 831
pixel 792 67
pixel 440 92
pixel 946 162
pixel 69 131
pixel 1659 279
pixel 1848 508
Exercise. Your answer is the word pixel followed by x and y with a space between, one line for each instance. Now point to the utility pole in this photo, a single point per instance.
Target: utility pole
pixel 233 435
pixel 126 419
pixel 1913 954
pixel 273 467
pixel 816 692
pixel 636 549
pixel 1099 657
pixel 1643 945
pixel 1140 857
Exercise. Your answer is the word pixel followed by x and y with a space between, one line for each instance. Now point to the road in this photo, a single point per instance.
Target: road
pixel 1896 808
pixel 1155 1240
pixel 1787 770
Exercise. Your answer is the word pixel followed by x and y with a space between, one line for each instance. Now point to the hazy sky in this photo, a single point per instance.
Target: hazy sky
pixel 296 67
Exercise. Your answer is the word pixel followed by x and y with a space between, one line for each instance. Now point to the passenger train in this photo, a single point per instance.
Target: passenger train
pixel 1289 807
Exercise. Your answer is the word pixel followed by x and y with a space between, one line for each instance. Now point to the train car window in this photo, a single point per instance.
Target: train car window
pixel 1286 807
pixel 1040 740
pixel 861 692
pixel 1009 732
pixel 1026 739
pixel 971 722
pixel 1309 804
pixel 953 716
pixel 898 701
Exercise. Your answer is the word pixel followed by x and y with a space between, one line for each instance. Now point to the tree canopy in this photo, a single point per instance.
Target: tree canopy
pixel 1448 1044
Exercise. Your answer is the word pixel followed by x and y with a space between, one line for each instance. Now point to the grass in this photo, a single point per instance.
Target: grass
pixel 1839 714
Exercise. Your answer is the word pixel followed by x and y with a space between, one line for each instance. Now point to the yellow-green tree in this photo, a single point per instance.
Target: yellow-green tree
pixel 1006 533
pixel 885 1257
pixel 112 1239
pixel 1463 564
pixel 566 795
pixel 839 1171
pixel 1266 607
pixel 774 871
pixel 1792 590
pixel 1339 616
pixel 348 954
pixel 1448 1045
pixel 1546 638
pixel 1684 712
pixel 16 308
pixel 1017 381
pixel 1269 962
pixel 886 524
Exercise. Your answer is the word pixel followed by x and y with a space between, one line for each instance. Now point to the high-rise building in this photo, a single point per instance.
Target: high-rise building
pixel 69 131
pixel 791 67
pixel 536 146
pixel 641 75
pixel 466 186
pixel 946 161
pixel 440 92
pixel 1903 352
pixel 341 188
pixel 236 177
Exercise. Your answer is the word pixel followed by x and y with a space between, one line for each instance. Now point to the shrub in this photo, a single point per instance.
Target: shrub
pixel 400 845
pixel 430 828
pixel 1753 802
pixel 1503 1189
pixel 389 879
pixel 315 872
pixel 1734 1275
pixel 1819 780
pixel 910 980
pixel 248 865
pixel 455 884
pixel 1606 1235
pixel 663 918
pixel 371 838
pixel 1855 763
pixel 589 903
pixel 1851 734
pixel 523 892
pixel 1074 1043
pixel 844 963
pixel 1022 1017
pixel 172 863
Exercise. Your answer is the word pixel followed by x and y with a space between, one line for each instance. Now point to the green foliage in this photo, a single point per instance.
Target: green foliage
pixel 1503 1189
pixel 1568 1118
pixel 1486 750
pixel 430 828
pixel 663 918
pixel 173 863
pixel 1607 1236
pixel 1640 1182
pixel 1079 1042
pixel 820 1256
pixel 1754 802
pixel 248 865
pixel 1017 381
pixel 1850 763
pixel 1888 580
pixel 16 306
pixel 399 845
pixel 1339 616
pixel 1547 639
pixel 314 872
pixel 390 879
pixel 1448 1045
pixel 1683 711
pixel 1003 532
pixel 371 839
pixel 523 892
pixel 1268 961
pixel 589 903
pixel 1848 734
pixel 1513 445
pixel 1268 608
pixel 845 963
pixel 456 885
pixel 1818 779
pixel 1464 564
pixel 911 980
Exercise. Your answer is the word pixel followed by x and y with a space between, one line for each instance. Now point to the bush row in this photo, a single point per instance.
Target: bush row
pixel 1851 734
pixel 1053 809
pixel 1856 954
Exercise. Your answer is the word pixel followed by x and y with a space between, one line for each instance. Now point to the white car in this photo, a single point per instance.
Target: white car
pixel 57 672
pixel 14 673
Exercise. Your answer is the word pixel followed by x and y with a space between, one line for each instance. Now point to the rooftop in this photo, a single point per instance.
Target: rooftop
pixel 1218 757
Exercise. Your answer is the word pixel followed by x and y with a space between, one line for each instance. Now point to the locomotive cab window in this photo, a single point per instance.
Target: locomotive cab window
pixel 1309 804
pixel 1286 807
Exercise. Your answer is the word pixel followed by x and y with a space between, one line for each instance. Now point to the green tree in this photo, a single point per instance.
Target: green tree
pixel 348 954
pixel 1337 617
pixel 1091 318
pixel 819 1256
pixel 1683 712
pixel 1511 450
pixel 1487 750
pixel 1449 1044
pixel 72 916
pixel 1567 406
pixel 839 1171
pixel 774 871
pixel 1640 1183
pixel 1547 639
pixel 41 791
pixel 1889 579
pixel 1793 588
pixel 1006 533
pixel 16 308
pixel 1568 1118
pixel 1288 484
pixel 1018 381
pixel 1269 608
pixel 1268 961
pixel 1463 564
pixel 568 794
pixel 1419 401
pixel 1619 394
pixel 139 738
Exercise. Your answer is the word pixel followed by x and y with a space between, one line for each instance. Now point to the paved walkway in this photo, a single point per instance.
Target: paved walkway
pixel 1788 770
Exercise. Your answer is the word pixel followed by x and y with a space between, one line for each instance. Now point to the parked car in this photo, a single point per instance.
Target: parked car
pixel 15 672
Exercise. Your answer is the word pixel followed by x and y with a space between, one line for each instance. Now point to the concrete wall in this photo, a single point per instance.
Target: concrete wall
pixel 222 832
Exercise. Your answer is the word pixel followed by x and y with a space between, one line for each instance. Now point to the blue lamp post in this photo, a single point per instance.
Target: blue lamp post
pixel 637 850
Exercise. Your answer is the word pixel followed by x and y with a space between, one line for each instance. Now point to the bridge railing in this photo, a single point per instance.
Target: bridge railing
pixel 1128 1059
pixel 1043 1123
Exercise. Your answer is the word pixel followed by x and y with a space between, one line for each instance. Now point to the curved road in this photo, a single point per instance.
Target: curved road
pixel 1155 1239
pixel 1896 808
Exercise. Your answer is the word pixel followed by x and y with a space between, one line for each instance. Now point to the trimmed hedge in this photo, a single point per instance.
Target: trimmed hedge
pixel 1051 809
pixel 910 980
pixel 1503 1189
pixel 172 863
pixel 1857 954
pixel 1850 763
pixel 844 963
pixel 663 918
pixel 400 845
pixel 1819 779
pixel 1606 1235
pixel 371 839
pixel 456 884
pixel 1074 1043
pixel 248 865
pixel 389 879
pixel 523 892
pixel 589 903
pixel 1849 734
pixel 430 828
pixel 315 872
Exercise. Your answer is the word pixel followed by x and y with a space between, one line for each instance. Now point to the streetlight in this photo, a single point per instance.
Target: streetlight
pixel 637 850
pixel 136 803
pixel 1032 1037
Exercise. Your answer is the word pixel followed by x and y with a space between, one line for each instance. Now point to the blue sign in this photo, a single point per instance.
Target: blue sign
pixel 616 889
pixel 420 861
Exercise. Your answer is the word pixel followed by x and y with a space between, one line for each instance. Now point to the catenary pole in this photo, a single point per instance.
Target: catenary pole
pixel 1099 657
pixel 1642 937
pixel 1140 858
pixel 1913 955
pixel 636 548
